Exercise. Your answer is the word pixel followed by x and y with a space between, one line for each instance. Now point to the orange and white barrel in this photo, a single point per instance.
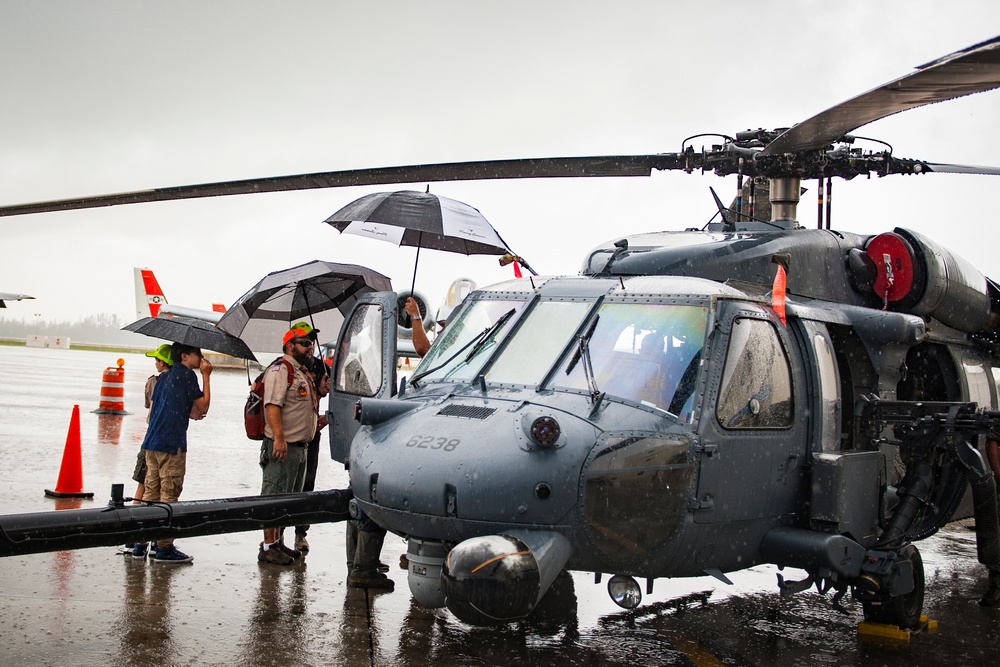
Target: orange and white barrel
pixel 113 391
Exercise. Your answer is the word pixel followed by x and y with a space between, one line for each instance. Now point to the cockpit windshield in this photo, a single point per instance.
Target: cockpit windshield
pixel 467 343
pixel 539 341
pixel 643 352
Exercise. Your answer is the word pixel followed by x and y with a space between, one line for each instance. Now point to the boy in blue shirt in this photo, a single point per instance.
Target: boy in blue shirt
pixel 177 399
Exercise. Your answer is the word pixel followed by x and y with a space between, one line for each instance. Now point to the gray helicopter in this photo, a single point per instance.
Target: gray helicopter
pixel 693 402
pixel 656 416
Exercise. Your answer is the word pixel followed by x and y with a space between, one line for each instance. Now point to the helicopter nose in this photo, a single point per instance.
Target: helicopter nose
pixel 500 578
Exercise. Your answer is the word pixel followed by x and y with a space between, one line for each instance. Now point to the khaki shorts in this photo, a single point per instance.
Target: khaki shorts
pixel 286 476
pixel 164 475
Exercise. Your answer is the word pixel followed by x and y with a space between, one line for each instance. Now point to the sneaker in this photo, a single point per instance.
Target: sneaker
pixel 376 580
pixel 294 554
pixel 139 550
pixel 126 550
pixel 301 543
pixel 170 555
pixel 274 556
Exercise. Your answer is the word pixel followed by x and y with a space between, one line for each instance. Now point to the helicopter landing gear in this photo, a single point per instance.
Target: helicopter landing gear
pixel 878 599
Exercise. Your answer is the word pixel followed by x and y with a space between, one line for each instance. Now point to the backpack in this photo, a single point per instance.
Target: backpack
pixel 253 411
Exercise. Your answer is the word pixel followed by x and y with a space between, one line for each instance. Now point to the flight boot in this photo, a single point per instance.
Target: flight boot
pixel 992 597
pixel 366 572
pixel 352 544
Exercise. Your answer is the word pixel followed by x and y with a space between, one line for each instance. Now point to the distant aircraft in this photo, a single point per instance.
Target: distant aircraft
pixel 9 296
pixel 150 302
pixel 434 319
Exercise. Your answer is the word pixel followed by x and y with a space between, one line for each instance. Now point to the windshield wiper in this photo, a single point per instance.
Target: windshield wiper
pixel 582 341
pixel 477 340
pixel 487 335
pixel 583 352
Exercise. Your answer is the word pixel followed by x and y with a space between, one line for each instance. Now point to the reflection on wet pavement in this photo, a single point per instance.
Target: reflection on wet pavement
pixel 109 429
pixel 93 607
pixel 275 632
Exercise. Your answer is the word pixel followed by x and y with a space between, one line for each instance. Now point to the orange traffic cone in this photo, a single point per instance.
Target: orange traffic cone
pixel 70 483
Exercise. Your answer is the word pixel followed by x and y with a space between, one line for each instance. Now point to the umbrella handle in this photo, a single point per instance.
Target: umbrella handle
pixel 413 282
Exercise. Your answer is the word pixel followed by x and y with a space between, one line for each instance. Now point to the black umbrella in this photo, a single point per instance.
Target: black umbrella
pixel 420 219
pixel 320 293
pixel 195 333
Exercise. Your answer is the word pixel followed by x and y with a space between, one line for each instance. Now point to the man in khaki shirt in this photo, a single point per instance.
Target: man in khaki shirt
pixel 290 405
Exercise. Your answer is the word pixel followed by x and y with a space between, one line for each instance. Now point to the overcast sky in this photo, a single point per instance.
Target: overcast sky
pixel 103 97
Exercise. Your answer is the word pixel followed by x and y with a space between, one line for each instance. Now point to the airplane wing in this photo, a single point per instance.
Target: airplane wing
pixel 9 296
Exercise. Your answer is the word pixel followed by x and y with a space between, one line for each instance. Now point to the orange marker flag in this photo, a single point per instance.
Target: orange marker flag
pixel 778 288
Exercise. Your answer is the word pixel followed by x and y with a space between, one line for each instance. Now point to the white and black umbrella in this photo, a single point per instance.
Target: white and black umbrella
pixel 192 332
pixel 319 293
pixel 422 220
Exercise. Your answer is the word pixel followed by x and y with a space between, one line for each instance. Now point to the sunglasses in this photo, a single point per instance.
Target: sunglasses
pixel 303 343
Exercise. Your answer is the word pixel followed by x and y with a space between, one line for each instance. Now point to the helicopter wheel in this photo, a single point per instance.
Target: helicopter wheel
pixel 903 610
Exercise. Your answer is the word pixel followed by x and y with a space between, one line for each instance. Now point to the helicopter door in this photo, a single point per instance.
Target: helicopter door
pixel 754 438
pixel 363 367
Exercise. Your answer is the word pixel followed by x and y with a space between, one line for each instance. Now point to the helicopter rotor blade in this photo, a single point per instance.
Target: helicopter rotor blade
pixel 571 167
pixel 971 70
pixel 794 152
pixel 962 169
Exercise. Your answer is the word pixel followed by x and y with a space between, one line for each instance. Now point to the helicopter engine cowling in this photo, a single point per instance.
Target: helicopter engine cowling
pixel 915 275
pixel 497 579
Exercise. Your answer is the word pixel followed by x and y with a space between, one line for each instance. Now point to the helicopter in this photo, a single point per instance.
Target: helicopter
pixel 693 402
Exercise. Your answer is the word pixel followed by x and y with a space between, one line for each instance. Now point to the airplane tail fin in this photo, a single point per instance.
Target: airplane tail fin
pixel 148 295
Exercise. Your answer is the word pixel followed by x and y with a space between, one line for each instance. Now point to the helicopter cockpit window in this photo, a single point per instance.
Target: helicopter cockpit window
pixel 756 382
pixel 467 343
pixel 540 339
pixel 359 361
pixel 645 352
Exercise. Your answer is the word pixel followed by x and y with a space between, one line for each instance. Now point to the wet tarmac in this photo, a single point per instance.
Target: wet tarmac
pixel 93 607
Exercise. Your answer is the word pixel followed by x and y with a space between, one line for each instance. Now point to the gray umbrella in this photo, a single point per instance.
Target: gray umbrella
pixel 195 333
pixel 319 293
pixel 419 219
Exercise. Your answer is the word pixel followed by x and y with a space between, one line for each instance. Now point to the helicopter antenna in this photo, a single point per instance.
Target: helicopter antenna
pixel 727 221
